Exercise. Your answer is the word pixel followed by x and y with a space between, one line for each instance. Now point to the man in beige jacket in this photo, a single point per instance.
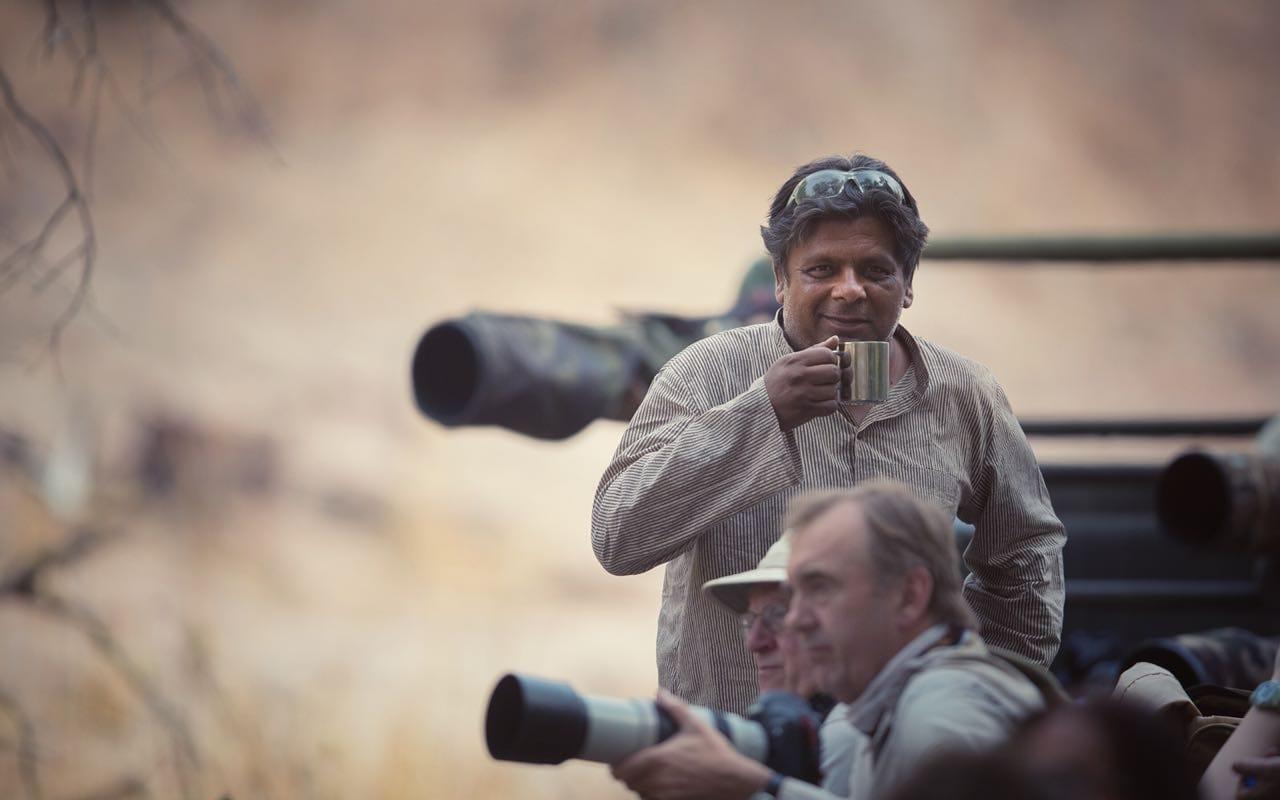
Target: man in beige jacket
pixel 877 608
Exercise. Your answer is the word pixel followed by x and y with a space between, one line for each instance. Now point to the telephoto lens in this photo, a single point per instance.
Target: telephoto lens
pixel 1226 499
pixel 537 721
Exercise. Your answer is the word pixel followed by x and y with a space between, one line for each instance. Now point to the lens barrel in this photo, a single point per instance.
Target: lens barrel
pixel 1227 499
pixel 536 721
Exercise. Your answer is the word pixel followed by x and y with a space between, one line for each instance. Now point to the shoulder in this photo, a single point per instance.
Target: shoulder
pixel 748 336
pixel 731 350
pixel 962 386
pixel 966 673
pixel 968 688
pixel 951 371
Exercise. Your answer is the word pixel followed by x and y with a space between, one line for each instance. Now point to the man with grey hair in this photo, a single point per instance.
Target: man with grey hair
pixel 740 422
pixel 876 606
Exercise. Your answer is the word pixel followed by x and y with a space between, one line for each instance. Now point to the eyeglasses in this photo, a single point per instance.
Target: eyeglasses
pixel 772 617
pixel 831 182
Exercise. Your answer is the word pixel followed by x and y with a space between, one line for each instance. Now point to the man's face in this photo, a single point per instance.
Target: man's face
pixel 845 624
pixel 843 280
pixel 767 603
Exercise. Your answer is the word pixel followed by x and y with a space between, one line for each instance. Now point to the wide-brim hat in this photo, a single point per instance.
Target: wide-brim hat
pixel 734 591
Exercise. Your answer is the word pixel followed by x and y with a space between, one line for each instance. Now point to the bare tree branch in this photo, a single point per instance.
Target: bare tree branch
pixel 27 584
pixel 54 270
pixel 122 790
pixel 185 755
pixel 52 26
pixel 81 544
pixel 30 259
pixel 32 249
pixel 91 134
pixel 74 200
pixel 6 152
pixel 213 60
pixel 89 55
pixel 78 36
pixel 26 745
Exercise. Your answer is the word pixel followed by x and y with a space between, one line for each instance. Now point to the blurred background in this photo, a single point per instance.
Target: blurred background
pixel 237 562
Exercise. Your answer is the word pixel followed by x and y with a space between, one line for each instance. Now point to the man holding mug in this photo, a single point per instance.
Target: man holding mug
pixel 739 422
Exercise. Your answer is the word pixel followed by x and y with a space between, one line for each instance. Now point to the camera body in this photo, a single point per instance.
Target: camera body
pixel 537 721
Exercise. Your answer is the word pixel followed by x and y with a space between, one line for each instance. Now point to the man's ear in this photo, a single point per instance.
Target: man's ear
pixel 909 296
pixel 779 281
pixel 915 596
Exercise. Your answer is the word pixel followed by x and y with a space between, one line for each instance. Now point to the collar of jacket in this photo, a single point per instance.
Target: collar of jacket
pixel 939 643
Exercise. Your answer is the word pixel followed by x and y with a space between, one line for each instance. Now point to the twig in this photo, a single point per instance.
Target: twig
pixel 52 26
pixel 7 154
pixel 81 41
pixel 89 56
pixel 213 58
pixel 148 56
pixel 91 134
pixel 26 746
pixel 55 269
pixel 121 790
pixel 30 249
pixel 74 199
pixel 186 757
pixel 23 581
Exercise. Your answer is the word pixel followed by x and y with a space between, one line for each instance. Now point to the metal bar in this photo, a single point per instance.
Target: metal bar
pixel 1243 592
pixel 1100 473
pixel 1242 426
pixel 1151 247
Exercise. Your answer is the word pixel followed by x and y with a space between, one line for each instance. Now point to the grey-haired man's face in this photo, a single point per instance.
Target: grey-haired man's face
pixel 844 623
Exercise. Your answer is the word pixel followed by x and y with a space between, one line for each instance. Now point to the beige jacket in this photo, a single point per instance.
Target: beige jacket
pixel 930 698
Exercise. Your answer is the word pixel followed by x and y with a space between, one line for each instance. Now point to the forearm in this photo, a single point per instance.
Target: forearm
pixel 1015 557
pixel 795 789
pixel 667 487
pixel 1258 733
pixel 1019 600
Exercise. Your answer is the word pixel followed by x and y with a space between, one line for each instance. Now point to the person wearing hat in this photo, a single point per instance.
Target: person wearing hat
pixel 758 599
pixel 875 605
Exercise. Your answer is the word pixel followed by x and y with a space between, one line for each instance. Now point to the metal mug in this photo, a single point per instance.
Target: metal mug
pixel 868 372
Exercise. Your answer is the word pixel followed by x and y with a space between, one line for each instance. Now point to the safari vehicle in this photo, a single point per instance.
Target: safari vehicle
pixel 1174 563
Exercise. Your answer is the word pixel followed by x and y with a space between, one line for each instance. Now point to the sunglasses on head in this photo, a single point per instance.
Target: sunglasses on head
pixel 831 182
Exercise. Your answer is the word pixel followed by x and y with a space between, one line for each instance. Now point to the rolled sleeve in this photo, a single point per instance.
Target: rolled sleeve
pixel 1015 583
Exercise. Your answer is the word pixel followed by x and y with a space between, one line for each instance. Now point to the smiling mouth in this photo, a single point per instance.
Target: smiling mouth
pixel 847 322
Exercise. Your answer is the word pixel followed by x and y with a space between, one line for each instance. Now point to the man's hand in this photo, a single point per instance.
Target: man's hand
pixel 697 762
pixel 1259 777
pixel 805 384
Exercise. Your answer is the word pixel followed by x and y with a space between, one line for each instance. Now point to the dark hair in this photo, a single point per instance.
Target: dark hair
pixel 1148 759
pixel 790 224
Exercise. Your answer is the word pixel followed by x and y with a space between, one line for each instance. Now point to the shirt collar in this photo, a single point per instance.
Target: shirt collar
pixel 881 695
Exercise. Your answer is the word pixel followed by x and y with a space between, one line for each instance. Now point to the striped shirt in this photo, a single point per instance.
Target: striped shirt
pixel 703 474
